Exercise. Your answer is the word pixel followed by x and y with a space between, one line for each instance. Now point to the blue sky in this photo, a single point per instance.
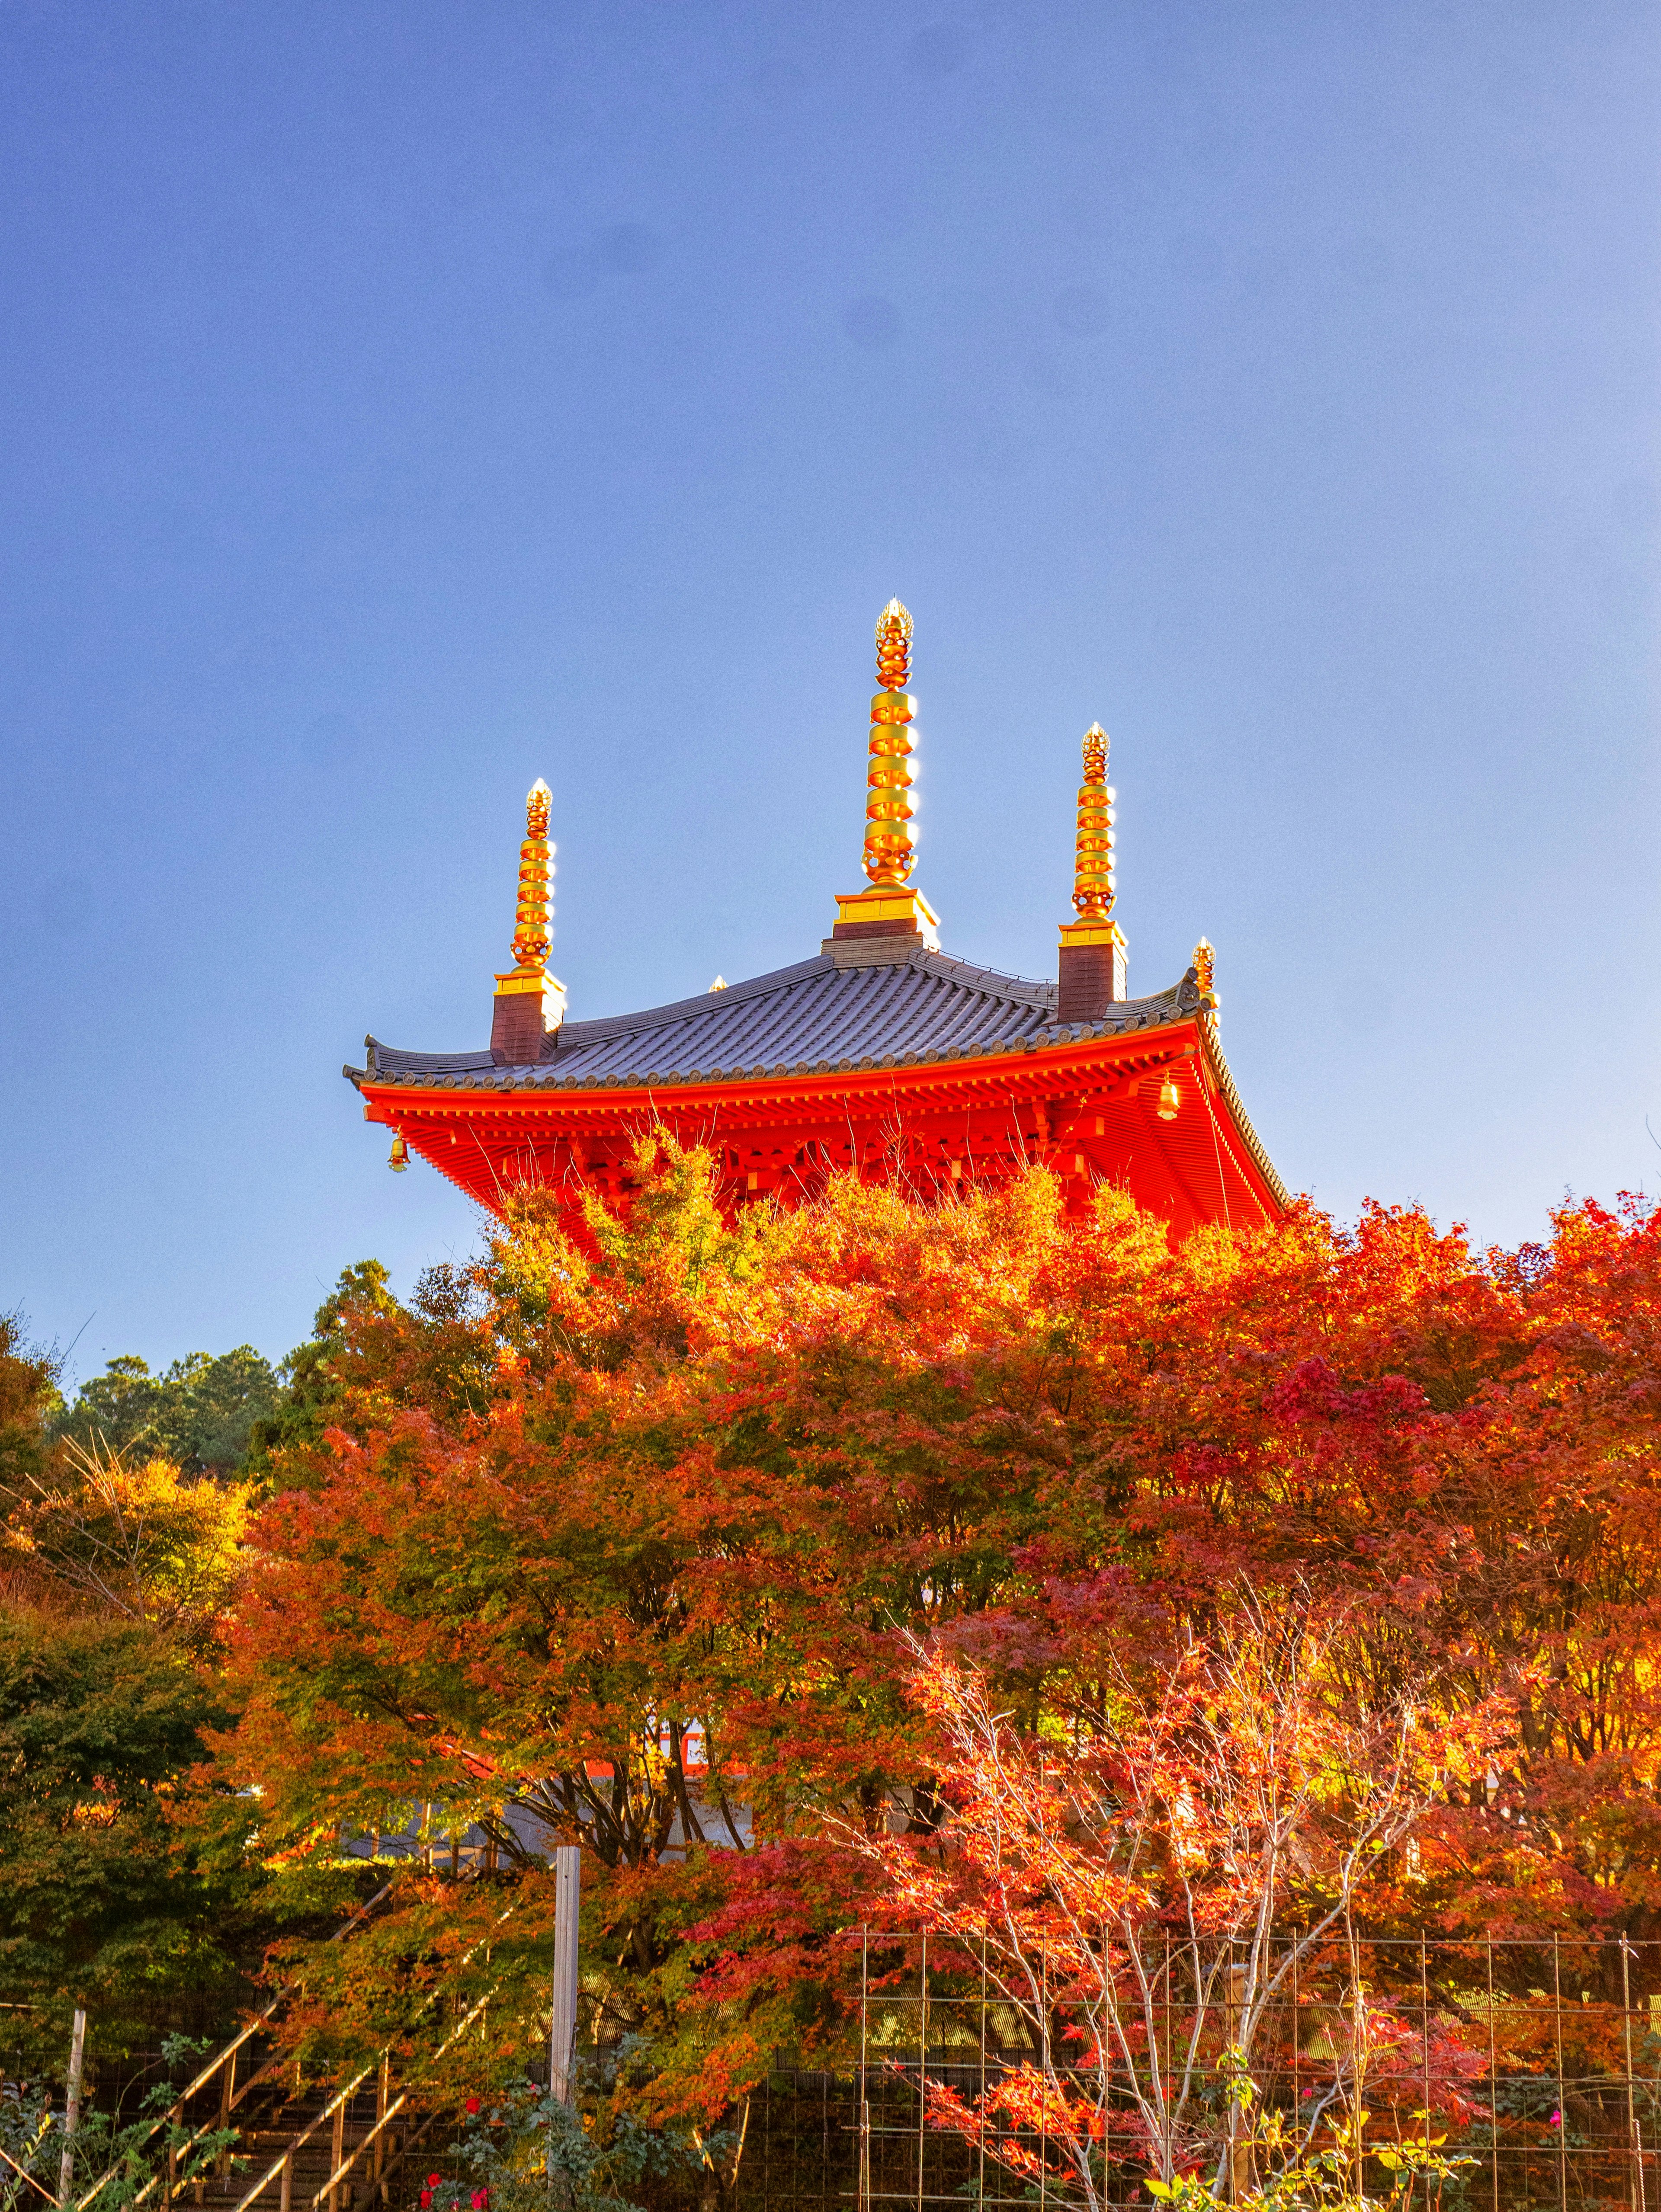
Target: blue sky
pixel 403 402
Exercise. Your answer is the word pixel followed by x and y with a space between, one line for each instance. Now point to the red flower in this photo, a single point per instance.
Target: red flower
pixel 426 2199
pixel 472 2104
pixel 432 2180
pixel 481 2198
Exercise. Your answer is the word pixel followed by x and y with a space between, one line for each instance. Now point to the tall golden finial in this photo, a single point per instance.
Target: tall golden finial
pixel 889 908
pixel 532 917
pixel 889 853
pixel 1092 863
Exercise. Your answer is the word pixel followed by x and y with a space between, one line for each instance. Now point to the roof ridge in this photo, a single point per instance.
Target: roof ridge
pixel 603 1026
pixel 973 976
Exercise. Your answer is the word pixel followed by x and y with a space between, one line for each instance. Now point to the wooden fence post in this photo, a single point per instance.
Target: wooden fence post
pixel 72 2108
pixel 1239 2149
pixel 1635 2140
pixel 567 1889
pixel 337 2145
pixel 226 2098
pixel 863 2198
pixel 383 2093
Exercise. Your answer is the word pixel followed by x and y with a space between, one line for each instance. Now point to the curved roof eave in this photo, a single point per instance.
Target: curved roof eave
pixel 1254 1144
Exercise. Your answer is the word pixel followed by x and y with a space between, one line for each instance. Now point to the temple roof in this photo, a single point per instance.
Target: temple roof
pixel 880 1057
pixel 822 1012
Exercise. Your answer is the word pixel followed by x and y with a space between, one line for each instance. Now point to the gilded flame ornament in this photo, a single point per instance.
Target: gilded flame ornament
pixel 894 647
pixel 1205 975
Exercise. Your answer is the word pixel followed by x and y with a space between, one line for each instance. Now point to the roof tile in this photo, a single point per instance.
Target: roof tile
pixel 925 1005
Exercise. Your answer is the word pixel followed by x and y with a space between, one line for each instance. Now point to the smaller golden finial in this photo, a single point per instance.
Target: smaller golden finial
pixel 1092 864
pixel 533 934
pixel 893 648
pixel 1092 976
pixel 530 1003
pixel 889 852
pixel 1205 966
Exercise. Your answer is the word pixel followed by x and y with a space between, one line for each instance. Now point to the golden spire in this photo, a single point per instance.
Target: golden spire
pixel 1092 864
pixel 532 917
pixel 889 853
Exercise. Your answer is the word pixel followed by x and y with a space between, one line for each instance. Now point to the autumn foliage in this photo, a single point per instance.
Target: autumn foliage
pixel 1145 1906
pixel 115 1579
pixel 652 1534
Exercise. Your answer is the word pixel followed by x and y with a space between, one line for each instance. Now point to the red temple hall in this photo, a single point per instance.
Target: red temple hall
pixel 878 1053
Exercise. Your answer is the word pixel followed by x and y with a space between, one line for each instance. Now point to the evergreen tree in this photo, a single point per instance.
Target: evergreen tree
pixel 199 1413
pixel 312 1375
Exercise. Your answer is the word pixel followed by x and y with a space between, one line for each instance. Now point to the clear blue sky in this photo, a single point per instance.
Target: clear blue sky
pixel 405 401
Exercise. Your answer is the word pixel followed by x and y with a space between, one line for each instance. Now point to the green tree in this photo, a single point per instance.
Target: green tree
pixel 226 1396
pixel 218 1414
pixel 312 1376
pixel 129 1875
pixel 199 1413
pixel 101 1721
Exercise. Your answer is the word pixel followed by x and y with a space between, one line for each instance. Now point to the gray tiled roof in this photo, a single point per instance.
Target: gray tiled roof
pixel 817 1012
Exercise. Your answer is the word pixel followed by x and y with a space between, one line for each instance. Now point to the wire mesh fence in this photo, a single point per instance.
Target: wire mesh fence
pixel 1537 2061
pixel 1533 2066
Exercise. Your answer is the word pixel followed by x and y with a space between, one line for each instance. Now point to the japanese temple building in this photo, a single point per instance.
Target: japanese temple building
pixel 877 1053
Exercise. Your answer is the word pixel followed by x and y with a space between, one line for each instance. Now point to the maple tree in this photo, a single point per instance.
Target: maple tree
pixel 619 1535
pixel 1139 1899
